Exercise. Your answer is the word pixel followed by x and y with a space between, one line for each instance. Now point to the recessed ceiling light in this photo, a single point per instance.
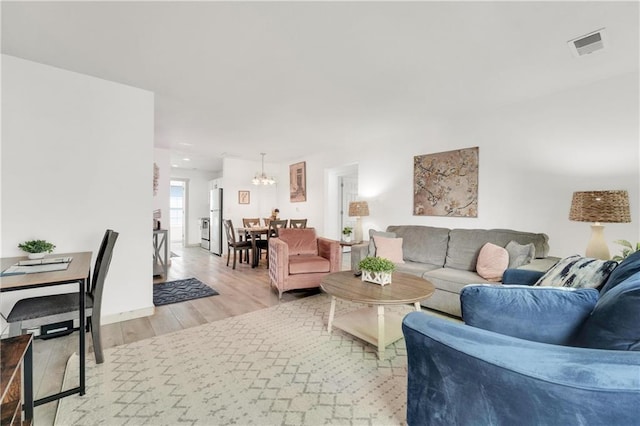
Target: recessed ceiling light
pixel 174 165
pixel 185 144
pixel 187 159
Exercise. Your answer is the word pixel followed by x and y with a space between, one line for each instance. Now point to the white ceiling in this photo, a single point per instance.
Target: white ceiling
pixel 240 78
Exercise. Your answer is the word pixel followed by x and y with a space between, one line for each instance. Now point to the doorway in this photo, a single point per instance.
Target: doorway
pixel 348 193
pixel 177 211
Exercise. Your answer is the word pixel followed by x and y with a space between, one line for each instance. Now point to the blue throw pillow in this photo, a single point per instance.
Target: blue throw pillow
pixel 541 314
pixel 629 266
pixel 615 321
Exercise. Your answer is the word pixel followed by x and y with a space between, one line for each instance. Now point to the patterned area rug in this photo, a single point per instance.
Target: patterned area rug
pixel 275 366
pixel 180 290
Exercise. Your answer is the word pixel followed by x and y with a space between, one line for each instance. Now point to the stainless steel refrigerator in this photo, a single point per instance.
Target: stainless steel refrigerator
pixel 215 223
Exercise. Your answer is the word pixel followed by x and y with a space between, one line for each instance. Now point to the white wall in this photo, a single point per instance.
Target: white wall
pixel 197 200
pixel 533 156
pixel 77 155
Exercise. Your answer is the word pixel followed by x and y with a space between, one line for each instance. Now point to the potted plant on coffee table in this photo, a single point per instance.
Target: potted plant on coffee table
pixel 36 248
pixel 346 234
pixel 376 270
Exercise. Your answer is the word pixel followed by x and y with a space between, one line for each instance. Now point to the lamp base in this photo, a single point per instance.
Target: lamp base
pixel 597 247
pixel 357 235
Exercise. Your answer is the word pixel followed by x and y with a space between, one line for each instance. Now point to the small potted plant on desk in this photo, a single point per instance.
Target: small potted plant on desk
pixel 36 248
pixel 376 270
pixel 346 234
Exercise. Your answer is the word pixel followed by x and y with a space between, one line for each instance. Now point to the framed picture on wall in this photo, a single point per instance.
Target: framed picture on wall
pixel 298 182
pixel 244 197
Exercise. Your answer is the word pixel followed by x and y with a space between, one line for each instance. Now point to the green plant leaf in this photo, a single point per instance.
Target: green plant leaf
pixel 624 243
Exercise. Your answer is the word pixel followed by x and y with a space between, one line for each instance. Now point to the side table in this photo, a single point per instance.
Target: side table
pixel 16 383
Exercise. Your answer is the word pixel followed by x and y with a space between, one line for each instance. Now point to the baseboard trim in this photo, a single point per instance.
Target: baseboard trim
pixel 129 315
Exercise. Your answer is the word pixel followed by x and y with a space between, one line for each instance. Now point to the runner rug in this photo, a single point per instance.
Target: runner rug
pixel 180 290
pixel 274 366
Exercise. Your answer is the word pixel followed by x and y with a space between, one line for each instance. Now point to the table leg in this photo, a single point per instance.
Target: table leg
pixel 27 365
pixel 255 259
pixel 418 307
pixel 83 332
pixel 381 337
pixel 332 312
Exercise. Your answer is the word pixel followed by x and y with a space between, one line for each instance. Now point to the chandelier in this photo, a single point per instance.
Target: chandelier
pixel 262 178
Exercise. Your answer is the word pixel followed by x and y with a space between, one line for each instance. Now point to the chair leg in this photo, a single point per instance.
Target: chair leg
pixel 15 329
pixel 234 257
pixel 97 340
pixel 228 255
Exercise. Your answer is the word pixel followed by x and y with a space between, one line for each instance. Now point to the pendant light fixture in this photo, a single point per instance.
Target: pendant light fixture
pixel 262 178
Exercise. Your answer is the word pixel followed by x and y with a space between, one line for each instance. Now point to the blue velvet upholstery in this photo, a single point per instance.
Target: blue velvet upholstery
pixel 541 314
pixel 465 375
pixel 615 321
pixel 629 266
pixel 461 375
pixel 521 276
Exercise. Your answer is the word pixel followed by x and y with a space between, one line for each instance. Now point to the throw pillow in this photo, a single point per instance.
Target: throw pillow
pixel 389 248
pixel 520 254
pixel 492 262
pixel 629 266
pixel 613 324
pixel 372 244
pixel 578 272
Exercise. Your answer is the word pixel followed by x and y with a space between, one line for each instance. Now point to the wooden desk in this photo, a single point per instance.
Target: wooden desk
pixel 16 383
pixel 77 272
pixel 255 232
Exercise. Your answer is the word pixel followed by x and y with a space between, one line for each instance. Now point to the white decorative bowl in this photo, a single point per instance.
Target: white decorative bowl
pixel 381 278
pixel 33 256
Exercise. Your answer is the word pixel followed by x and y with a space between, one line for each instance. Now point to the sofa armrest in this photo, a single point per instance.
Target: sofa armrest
pixel 358 252
pixel 464 375
pixel 541 314
pixel 278 260
pixel 330 250
pixel 521 276
pixel 542 264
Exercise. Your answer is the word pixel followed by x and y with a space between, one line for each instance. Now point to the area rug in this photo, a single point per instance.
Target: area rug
pixel 275 366
pixel 180 290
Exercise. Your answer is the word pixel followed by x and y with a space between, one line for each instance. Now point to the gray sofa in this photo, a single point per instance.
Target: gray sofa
pixel 448 257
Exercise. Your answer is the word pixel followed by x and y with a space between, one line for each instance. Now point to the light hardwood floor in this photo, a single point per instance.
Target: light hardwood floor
pixel 241 290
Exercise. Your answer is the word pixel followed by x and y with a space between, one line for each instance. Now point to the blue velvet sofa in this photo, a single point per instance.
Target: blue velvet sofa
pixel 530 356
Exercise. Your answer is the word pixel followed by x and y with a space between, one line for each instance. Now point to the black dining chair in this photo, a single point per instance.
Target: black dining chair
pixel 42 310
pixel 235 244
pixel 274 226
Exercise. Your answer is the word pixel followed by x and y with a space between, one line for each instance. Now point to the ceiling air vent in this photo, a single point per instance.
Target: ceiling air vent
pixel 588 43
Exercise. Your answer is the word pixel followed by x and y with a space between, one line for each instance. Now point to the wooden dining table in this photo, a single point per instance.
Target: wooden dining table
pixel 255 233
pixel 78 271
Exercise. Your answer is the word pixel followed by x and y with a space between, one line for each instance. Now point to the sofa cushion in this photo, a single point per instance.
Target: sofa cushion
pixel 613 324
pixel 465 244
pixel 492 262
pixel 453 280
pixel 389 248
pixel 541 314
pixel 424 244
pixel 579 272
pixel 372 234
pixel 308 264
pixel 300 241
pixel 415 268
pixel 629 266
pixel 520 254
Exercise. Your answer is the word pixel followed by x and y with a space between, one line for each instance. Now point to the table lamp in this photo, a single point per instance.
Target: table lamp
pixel 596 207
pixel 358 209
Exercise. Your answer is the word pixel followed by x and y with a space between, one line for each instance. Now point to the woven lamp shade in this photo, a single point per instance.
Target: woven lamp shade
pixel 358 208
pixel 600 206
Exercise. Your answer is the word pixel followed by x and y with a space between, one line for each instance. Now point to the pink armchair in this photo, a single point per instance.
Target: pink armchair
pixel 299 259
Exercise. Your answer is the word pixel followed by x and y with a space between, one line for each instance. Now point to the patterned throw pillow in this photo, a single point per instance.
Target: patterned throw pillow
pixel 520 254
pixel 578 272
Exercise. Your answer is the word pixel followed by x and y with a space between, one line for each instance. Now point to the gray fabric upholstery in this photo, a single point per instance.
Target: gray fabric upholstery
pixel 453 279
pixel 415 268
pixel 44 306
pixel 424 244
pixel 465 244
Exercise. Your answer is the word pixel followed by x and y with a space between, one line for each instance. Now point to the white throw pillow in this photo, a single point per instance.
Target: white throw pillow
pixel 492 262
pixel 579 272
pixel 389 248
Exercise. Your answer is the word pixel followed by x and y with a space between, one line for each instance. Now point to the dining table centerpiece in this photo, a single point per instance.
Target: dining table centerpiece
pixel 377 270
pixel 36 249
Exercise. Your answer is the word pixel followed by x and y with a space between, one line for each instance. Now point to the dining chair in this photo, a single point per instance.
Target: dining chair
pixel 42 310
pixel 235 244
pixel 250 222
pixel 266 221
pixel 297 223
pixel 274 226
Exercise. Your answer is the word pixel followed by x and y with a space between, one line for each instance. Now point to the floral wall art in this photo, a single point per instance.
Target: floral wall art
pixel 446 183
